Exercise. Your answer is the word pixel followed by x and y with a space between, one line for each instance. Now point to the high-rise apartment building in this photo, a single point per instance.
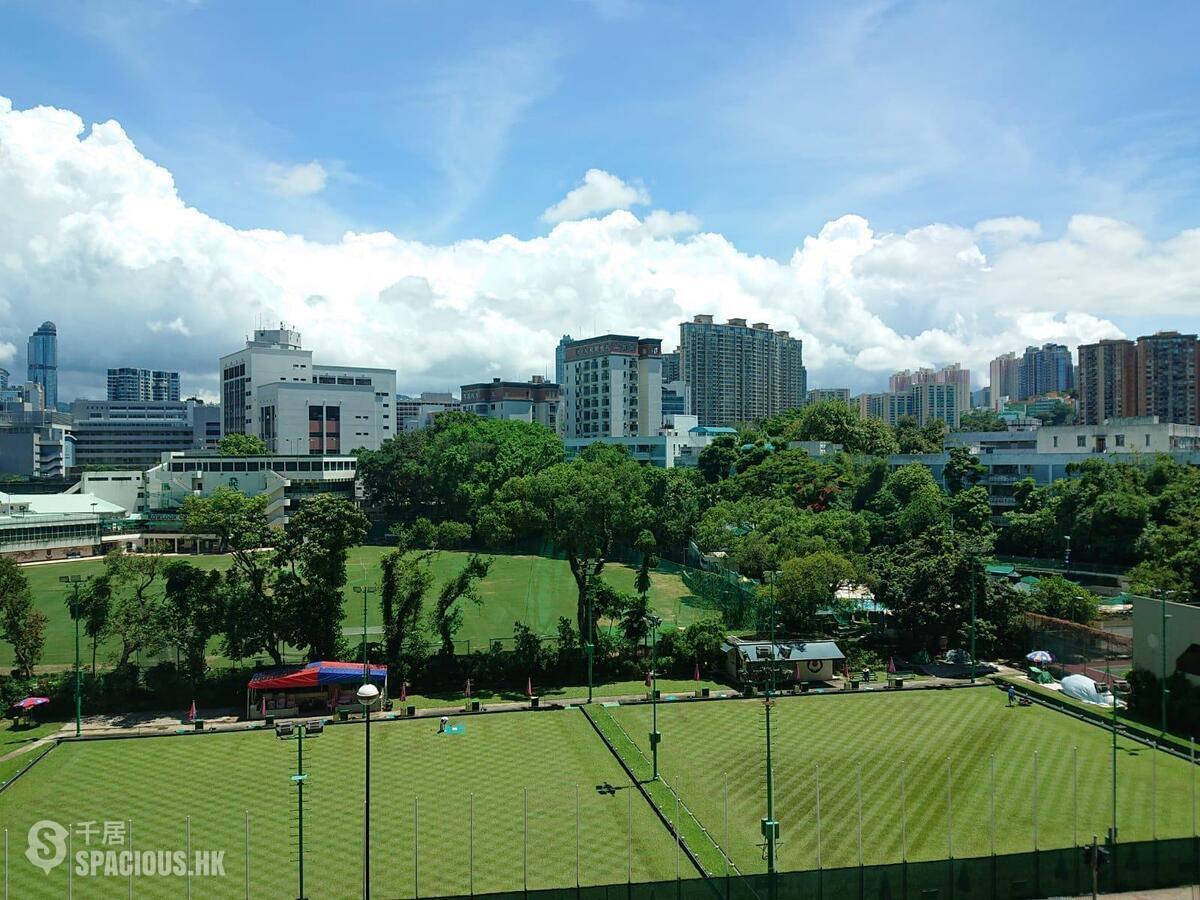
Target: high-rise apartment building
pixel 953 374
pixel 128 384
pixel 925 402
pixel 1166 377
pixel 1004 379
pixel 738 373
pixel 671 369
pixel 887 406
pixel 612 387
pixel 1107 381
pixel 560 359
pixel 42 357
pixel 1045 370
pixel 820 395
pixel 272 389
pixel 535 400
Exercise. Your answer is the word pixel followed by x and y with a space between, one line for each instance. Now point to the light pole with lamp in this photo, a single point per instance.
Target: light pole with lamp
pixel 769 825
pixel 1162 640
pixel 655 738
pixel 74 581
pixel 367 695
pixel 365 590
pixel 288 732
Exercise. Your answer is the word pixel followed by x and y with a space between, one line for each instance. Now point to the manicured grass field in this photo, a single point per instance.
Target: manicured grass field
pixel 703 744
pixel 216 778
pixel 531 589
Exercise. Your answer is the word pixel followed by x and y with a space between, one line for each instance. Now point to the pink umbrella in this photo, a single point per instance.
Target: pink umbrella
pixel 796 671
pixel 696 674
pixel 192 712
pixel 891 665
pixel 529 687
pixel 468 687
pixel 31 702
pixel 648 676
pixel 403 691
pixel 263 706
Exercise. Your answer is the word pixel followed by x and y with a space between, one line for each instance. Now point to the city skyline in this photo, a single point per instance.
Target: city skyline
pixel 455 228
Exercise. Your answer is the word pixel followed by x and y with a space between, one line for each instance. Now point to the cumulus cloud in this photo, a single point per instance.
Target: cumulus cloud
pixel 95 236
pixel 600 192
pixel 299 180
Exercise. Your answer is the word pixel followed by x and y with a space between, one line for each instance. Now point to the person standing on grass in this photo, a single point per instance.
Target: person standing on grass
pixel 442 723
pixel 1012 695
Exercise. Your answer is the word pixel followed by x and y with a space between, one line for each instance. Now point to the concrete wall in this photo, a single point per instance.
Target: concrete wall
pixel 1183 630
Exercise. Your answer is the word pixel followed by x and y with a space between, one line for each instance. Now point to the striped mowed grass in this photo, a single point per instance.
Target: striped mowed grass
pixel 423 783
pixel 925 761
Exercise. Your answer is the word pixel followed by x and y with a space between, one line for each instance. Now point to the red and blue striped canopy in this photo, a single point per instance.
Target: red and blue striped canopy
pixel 315 674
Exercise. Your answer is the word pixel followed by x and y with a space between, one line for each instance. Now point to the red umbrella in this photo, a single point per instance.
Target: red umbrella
pixel 31 702
pixel 192 712
pixel 696 674
pixel 529 686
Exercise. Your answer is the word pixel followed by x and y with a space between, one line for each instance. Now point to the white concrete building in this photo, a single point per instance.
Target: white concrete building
pixel 272 389
pixel 1144 434
pixel 678 443
pixel 613 387
pixel 158 493
pixel 37 527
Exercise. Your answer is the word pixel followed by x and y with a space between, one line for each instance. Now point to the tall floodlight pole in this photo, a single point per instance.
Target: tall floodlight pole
pixel 1067 557
pixel 974 573
pixel 770 827
pixel 367 694
pixel 286 732
pixel 1162 640
pixel 74 581
pixel 588 646
pixel 366 590
pixel 655 738
pixel 1113 692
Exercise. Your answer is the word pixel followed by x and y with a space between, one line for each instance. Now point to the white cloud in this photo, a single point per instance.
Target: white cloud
pixel 600 192
pixel 175 326
pixel 661 223
pixel 95 236
pixel 299 180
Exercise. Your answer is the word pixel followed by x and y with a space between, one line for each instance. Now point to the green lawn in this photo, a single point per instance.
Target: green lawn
pixel 554 693
pixel 215 779
pixel 531 589
pixel 705 744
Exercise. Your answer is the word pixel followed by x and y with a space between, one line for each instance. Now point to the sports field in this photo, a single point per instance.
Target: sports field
pixel 531 589
pixel 217 778
pixel 932 736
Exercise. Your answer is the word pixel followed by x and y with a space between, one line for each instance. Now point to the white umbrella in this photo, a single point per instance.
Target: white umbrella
pixel 1040 656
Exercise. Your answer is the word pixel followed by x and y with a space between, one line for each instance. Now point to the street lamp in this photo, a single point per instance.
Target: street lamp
pixel 974 572
pixel 74 581
pixel 288 732
pixel 367 695
pixel 655 738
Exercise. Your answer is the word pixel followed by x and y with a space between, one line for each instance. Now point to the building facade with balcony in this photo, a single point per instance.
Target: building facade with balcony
pixel 613 387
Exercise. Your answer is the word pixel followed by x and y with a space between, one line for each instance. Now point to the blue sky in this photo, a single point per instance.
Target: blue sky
pixel 442 122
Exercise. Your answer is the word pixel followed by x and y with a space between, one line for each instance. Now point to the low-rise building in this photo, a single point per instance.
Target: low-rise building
pixel 36 527
pixel 137 433
pixel 1143 434
pixel 418 413
pixel 678 443
pixel 535 400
